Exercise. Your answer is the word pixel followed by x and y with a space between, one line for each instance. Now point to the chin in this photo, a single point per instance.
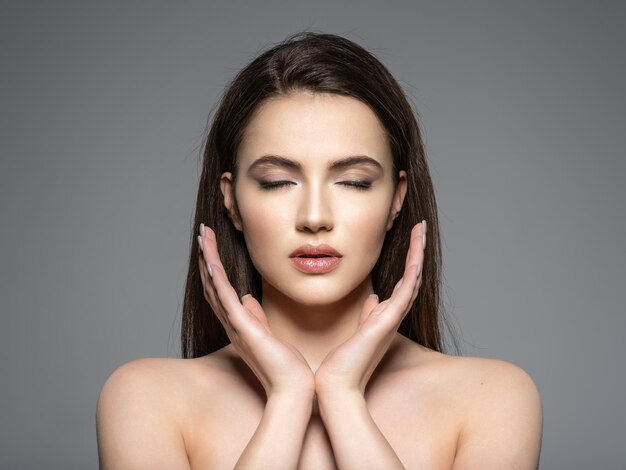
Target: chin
pixel 310 300
pixel 312 292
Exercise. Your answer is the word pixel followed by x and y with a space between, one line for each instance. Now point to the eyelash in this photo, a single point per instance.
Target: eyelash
pixel 270 185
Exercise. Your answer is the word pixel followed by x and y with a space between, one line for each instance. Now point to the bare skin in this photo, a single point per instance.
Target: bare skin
pixel 317 376
pixel 427 404
pixel 432 410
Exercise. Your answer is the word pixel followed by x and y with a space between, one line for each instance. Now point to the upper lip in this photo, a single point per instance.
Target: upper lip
pixel 312 250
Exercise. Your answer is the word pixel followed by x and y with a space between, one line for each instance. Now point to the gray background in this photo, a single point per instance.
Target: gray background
pixel 103 110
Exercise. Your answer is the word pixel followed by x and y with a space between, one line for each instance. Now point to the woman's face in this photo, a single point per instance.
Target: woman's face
pixel 313 194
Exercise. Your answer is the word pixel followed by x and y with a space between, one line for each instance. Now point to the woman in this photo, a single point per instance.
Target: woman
pixel 311 326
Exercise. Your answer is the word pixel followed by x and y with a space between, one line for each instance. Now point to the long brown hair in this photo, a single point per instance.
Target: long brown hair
pixel 320 63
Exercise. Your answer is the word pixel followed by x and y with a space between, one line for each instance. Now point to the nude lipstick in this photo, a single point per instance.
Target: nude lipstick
pixel 315 259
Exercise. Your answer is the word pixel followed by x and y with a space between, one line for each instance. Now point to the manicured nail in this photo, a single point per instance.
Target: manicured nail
pixel 424 228
pixel 202 229
pixel 200 243
pixel 419 270
pixel 208 266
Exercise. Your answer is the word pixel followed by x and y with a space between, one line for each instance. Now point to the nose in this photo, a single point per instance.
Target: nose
pixel 314 211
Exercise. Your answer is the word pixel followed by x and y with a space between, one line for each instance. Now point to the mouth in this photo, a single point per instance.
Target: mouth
pixel 315 259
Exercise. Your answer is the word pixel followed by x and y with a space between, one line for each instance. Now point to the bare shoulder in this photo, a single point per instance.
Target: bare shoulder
pixel 472 379
pixel 495 404
pixel 141 413
pixel 160 381
pixel 502 414
pixel 486 377
pixel 136 423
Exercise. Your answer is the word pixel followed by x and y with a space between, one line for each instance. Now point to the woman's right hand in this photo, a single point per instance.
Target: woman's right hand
pixel 279 366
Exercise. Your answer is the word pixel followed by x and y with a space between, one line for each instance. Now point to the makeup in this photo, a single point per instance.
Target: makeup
pixel 316 265
pixel 315 259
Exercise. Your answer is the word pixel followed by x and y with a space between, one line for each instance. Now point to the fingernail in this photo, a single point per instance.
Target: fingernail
pixel 200 243
pixel 424 228
pixel 419 270
pixel 202 229
pixel 208 266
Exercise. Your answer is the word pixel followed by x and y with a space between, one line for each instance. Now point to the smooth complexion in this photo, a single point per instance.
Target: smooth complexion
pixel 331 183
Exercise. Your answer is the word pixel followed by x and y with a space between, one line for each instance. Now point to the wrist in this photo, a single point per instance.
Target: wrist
pixel 339 396
pixel 299 386
pixel 332 389
pixel 292 397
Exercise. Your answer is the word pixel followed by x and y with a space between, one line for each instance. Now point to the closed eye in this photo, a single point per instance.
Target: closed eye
pixel 270 185
pixel 362 185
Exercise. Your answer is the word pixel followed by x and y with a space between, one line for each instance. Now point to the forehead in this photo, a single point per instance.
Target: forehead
pixel 314 128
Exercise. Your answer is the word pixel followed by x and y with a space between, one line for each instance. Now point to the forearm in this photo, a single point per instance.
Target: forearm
pixel 356 440
pixel 277 441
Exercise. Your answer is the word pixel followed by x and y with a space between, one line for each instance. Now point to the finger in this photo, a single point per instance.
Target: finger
pixel 412 257
pixel 207 278
pixel 400 300
pixel 415 245
pixel 415 232
pixel 415 253
pixel 418 285
pixel 211 297
pixel 209 245
pixel 230 301
pixel 405 293
pixel 209 290
pixel 397 306
pixel 419 259
pixel 210 253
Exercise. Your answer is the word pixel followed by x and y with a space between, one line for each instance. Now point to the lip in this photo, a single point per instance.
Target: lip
pixel 315 250
pixel 315 259
pixel 315 265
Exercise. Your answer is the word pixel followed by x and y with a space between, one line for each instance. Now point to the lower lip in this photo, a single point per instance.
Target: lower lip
pixel 316 265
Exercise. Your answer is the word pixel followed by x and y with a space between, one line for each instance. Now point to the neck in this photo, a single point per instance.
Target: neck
pixel 314 329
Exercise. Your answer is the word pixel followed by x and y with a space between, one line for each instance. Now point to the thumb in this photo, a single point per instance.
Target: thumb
pixel 254 307
pixel 370 303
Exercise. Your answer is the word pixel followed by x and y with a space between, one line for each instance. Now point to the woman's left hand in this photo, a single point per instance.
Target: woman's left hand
pixel 349 366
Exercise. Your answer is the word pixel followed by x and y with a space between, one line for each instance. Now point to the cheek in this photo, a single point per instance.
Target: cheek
pixel 264 228
pixel 365 217
pixel 366 227
pixel 262 221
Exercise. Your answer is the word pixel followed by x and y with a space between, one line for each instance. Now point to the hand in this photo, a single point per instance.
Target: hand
pixel 350 366
pixel 279 366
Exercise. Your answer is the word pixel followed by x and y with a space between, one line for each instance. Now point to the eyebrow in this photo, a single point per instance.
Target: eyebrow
pixel 279 161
